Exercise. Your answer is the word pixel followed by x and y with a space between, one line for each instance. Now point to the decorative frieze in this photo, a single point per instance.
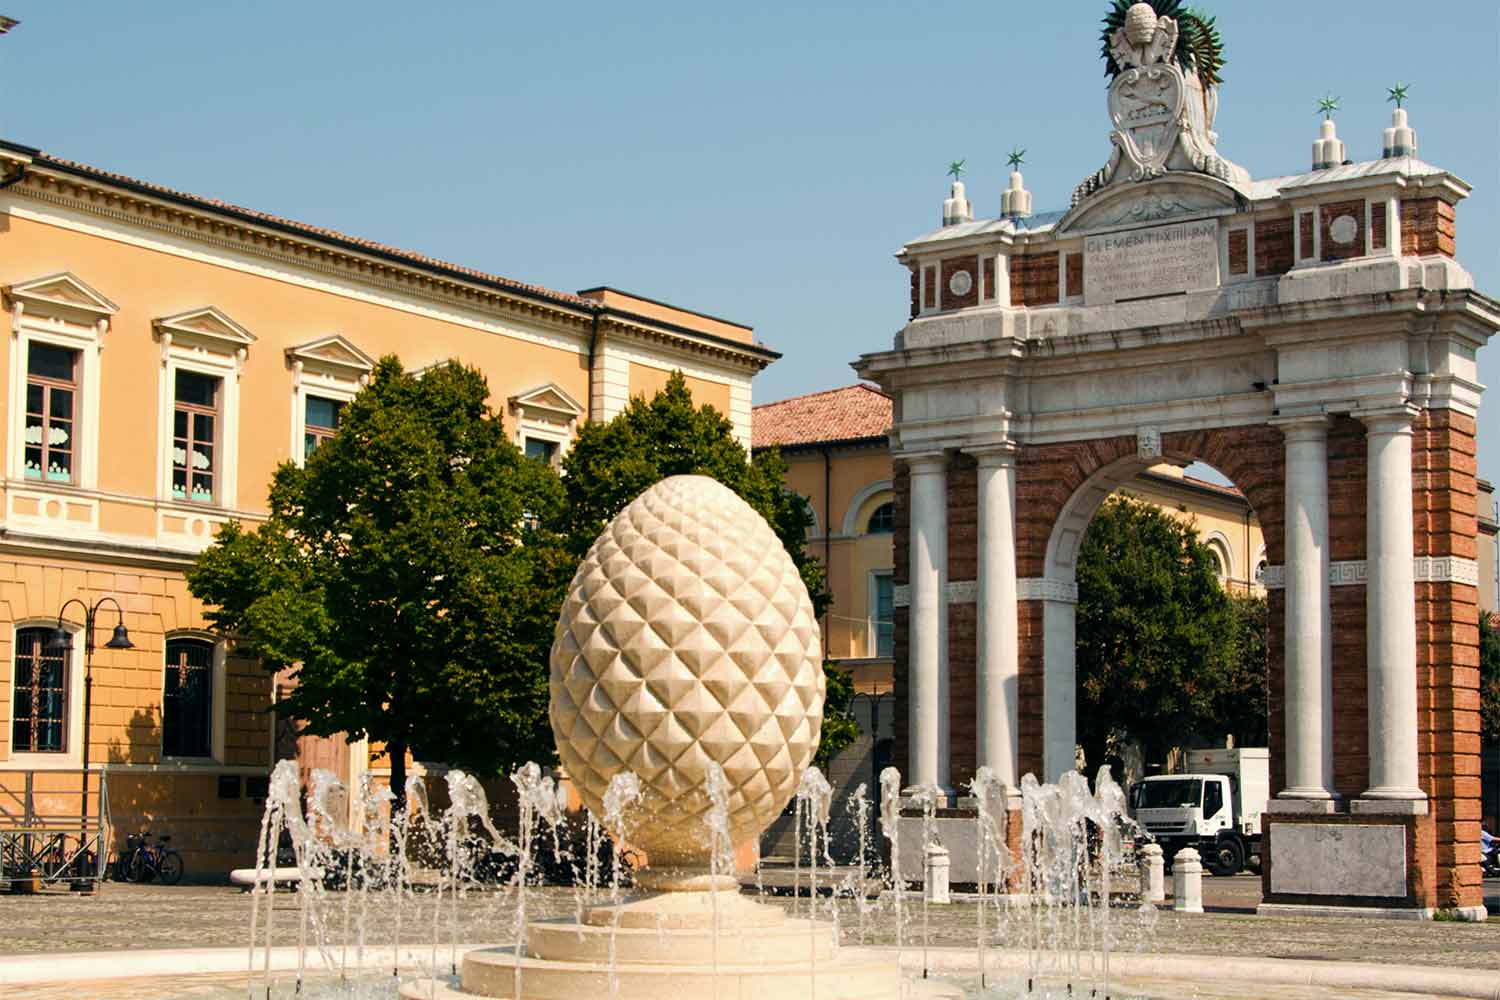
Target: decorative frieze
pixel 1447 569
pixel 1353 573
pixel 1040 588
pixel 1028 589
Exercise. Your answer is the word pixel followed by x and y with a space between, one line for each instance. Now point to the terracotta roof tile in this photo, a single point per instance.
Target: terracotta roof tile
pixel 315 232
pixel 850 413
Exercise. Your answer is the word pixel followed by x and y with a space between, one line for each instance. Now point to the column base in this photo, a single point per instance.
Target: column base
pixel 958 830
pixel 1366 806
pixel 1297 806
pixel 1365 863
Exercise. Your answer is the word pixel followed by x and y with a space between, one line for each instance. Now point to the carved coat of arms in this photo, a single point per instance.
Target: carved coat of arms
pixel 1164 96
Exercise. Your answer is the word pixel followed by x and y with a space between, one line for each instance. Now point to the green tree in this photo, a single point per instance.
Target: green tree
pixel 405 573
pixel 610 464
pixel 840 729
pixel 1161 649
pixel 1489 675
pixel 1242 708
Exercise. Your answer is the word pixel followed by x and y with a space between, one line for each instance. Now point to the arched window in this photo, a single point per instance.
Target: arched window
pixel 40 696
pixel 187 699
pixel 882 520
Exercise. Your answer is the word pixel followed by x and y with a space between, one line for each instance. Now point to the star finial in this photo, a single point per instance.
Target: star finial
pixel 955 169
pixel 1327 105
pixel 1398 93
pixel 1017 157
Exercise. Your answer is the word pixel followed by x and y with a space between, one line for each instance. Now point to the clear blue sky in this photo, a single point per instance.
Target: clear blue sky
pixel 758 161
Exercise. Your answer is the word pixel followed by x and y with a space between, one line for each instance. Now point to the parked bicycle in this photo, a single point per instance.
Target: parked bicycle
pixel 144 861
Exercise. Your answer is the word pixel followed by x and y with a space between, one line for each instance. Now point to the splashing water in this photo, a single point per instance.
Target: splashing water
pixel 890 815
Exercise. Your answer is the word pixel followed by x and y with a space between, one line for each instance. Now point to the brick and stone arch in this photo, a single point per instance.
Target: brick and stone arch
pixel 1312 339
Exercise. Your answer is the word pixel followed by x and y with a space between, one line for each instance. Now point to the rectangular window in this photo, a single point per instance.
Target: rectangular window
pixel 542 450
pixel 51 397
pixel 885 615
pixel 320 422
pixel 187 699
pixel 40 695
pixel 195 425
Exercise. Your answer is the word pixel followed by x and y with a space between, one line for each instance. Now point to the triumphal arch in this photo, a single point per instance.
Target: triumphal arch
pixel 1313 337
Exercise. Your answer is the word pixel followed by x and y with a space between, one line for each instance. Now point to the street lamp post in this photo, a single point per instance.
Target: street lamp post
pixel 61 642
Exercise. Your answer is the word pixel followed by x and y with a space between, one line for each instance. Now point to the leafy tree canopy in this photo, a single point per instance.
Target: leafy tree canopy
pixel 1489 675
pixel 406 573
pixel 1163 650
pixel 610 464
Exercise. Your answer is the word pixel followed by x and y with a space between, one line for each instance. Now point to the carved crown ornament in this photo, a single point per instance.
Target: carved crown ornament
pixel 1163 60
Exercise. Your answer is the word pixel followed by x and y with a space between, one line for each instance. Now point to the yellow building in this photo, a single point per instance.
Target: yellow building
pixel 166 352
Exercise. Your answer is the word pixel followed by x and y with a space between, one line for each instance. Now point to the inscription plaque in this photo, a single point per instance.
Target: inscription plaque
pixel 1327 859
pixel 1142 263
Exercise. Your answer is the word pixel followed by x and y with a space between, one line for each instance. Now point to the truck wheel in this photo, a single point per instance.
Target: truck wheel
pixel 1228 857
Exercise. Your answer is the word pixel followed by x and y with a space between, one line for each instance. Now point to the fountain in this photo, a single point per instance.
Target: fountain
pixel 686 655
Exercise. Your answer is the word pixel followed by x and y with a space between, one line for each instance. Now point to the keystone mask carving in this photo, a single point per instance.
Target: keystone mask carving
pixel 1164 61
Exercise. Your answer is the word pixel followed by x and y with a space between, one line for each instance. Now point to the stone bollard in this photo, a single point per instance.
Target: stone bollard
pixel 1153 888
pixel 1187 881
pixel 935 881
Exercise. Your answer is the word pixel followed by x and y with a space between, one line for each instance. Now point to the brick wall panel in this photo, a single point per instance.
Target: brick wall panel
pixel 1273 247
pixel 1327 215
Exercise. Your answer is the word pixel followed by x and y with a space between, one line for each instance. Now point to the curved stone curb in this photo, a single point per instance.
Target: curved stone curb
pixel 83 966
pixel 1476 984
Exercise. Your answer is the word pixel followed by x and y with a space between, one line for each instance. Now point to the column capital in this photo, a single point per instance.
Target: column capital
pixel 998 455
pixel 1388 419
pixel 924 461
pixel 1302 426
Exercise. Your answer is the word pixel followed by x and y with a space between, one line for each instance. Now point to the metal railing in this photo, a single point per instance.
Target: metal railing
pixel 44 835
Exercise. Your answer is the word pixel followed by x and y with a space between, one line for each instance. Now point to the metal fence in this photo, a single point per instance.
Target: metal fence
pixel 54 827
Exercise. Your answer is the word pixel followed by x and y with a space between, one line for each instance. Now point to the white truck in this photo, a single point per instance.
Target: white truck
pixel 1215 807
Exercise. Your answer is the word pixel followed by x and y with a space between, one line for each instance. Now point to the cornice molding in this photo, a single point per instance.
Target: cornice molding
pixel 307 254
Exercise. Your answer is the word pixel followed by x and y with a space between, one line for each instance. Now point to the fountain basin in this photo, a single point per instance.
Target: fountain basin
pixel 687 944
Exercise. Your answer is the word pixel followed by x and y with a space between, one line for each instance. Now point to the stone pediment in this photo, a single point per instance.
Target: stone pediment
pixel 209 326
pixel 333 354
pixel 62 292
pixel 1173 198
pixel 547 402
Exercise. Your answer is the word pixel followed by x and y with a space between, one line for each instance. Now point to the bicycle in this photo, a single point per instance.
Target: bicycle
pixel 143 861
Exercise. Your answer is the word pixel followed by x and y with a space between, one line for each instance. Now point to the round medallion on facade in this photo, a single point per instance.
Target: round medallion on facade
pixel 687 637
pixel 961 283
pixel 1343 230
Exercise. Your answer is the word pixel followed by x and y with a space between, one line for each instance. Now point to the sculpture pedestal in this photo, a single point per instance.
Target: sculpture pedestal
pixel 666 946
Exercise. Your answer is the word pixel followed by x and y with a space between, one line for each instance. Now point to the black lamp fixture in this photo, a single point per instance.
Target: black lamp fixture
pixel 60 641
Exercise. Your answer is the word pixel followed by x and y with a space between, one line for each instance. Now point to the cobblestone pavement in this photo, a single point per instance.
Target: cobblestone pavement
pixel 123 917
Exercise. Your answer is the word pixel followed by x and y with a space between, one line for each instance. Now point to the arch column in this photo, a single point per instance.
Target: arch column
pixel 997 687
pixel 1390 609
pixel 1309 639
pixel 927 633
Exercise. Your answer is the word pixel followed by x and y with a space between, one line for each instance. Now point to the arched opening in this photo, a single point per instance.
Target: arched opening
pixel 1155 628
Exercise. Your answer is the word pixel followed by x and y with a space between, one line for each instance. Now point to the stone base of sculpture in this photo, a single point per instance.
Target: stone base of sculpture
pixel 665 946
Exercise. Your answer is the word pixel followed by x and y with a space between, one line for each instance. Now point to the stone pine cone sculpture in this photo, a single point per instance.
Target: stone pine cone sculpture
pixel 687 636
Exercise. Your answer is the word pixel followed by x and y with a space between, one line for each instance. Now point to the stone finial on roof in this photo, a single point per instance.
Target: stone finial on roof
pixel 1015 201
pixel 957 208
pixel 1400 139
pixel 1328 149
